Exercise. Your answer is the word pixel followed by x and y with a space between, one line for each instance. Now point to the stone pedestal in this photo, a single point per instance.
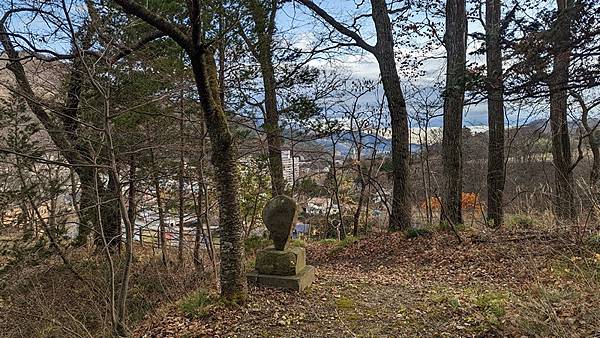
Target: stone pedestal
pixel 282 269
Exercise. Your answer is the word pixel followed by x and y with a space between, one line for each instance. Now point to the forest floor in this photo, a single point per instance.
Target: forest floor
pixel 508 283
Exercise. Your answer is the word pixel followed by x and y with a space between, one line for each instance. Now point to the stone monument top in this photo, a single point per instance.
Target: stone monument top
pixel 279 216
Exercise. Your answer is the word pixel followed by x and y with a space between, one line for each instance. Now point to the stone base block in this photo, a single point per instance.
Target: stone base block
pixel 298 282
pixel 288 262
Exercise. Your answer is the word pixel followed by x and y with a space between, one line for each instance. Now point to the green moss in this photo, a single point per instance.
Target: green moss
pixel 344 303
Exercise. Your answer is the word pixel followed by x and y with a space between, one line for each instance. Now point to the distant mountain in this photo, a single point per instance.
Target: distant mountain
pixel 433 135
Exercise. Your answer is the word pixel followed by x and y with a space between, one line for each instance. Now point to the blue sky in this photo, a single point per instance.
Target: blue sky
pixel 299 24
pixel 363 65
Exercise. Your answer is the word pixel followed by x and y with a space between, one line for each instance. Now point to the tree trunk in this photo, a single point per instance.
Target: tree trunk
pixel 384 53
pixel 594 148
pixel 456 46
pixel 361 199
pixel 264 27
pixel 495 90
pixel 561 144
pixel 224 154
pixel 592 138
pixel 161 218
pixel 87 203
pixel 131 201
pixel 272 129
pixel 66 136
pixel 180 188
pixel 111 217
pixel 203 200
pixel 401 209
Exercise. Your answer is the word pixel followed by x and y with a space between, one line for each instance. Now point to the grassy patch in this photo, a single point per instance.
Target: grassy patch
pixel 297 243
pixel 196 305
pixel 444 297
pixel 594 241
pixel 492 303
pixel 577 268
pixel 254 243
pixel 538 311
pixel 328 241
pixel 519 221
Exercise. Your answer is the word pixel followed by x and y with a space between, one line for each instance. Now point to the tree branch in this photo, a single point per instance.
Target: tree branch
pixel 158 22
pixel 360 42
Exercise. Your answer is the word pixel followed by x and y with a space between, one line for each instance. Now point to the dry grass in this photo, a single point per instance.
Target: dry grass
pixel 48 300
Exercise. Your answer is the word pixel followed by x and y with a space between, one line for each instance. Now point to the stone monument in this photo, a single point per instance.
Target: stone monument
pixel 279 265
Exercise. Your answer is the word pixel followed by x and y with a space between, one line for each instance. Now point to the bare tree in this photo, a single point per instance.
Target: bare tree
pixel 260 44
pixel 66 131
pixel 383 50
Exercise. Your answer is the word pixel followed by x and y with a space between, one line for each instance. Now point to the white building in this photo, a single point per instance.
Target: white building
pixel 291 166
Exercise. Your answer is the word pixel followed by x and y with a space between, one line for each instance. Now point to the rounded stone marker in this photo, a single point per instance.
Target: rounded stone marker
pixel 279 215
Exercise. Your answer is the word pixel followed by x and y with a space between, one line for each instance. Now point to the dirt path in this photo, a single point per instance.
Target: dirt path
pixel 390 286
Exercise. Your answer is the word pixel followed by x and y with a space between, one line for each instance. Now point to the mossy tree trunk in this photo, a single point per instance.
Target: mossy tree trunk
pixel 224 153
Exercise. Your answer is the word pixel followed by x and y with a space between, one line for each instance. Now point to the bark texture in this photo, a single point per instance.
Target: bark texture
pixel 233 279
pixel 558 85
pixel 456 46
pixel 495 92
pixel 401 208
